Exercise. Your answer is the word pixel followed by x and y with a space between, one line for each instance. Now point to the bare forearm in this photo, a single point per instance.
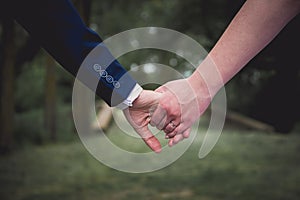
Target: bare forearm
pixel 254 26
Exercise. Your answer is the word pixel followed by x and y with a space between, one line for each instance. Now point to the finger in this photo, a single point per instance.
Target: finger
pixel 153 143
pixel 158 118
pixel 187 133
pixel 175 131
pixel 175 140
pixel 150 140
pixel 171 126
pixel 171 134
pixel 179 137
pixel 180 129
pixel 170 143
pixel 145 133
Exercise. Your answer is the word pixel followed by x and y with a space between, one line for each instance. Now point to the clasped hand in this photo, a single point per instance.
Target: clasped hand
pixel 173 108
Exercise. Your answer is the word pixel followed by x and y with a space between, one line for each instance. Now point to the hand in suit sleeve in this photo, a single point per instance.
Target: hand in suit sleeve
pixel 56 25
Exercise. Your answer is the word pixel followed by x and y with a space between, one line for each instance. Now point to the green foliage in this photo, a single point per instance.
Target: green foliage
pixel 253 79
pixel 112 17
pixel 30 100
pixel 30 86
pixel 30 127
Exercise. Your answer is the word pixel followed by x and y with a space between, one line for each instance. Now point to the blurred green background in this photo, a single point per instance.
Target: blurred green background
pixel 43 158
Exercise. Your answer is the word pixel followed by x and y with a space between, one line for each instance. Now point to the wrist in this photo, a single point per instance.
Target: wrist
pixel 200 86
pixel 201 92
pixel 128 102
pixel 137 101
pixel 208 77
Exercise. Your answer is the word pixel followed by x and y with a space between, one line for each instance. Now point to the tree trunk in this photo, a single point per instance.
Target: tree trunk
pixel 7 90
pixel 83 7
pixel 248 122
pixel 50 98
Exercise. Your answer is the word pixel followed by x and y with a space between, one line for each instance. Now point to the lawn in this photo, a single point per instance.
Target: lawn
pixel 243 165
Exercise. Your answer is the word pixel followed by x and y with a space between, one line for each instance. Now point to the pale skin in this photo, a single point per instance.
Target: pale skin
pixel 254 26
pixel 138 117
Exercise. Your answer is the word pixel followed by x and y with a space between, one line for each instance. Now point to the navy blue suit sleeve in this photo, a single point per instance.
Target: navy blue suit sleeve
pixel 56 25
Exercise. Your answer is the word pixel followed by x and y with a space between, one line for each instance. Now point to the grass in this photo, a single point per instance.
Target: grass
pixel 243 165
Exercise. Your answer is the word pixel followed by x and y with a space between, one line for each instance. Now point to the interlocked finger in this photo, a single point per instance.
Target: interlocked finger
pixel 170 127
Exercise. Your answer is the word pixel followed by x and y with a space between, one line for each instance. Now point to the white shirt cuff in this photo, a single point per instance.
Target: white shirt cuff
pixel 135 92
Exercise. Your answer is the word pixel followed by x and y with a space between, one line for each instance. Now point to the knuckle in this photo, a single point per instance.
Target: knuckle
pixel 175 113
pixel 164 105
